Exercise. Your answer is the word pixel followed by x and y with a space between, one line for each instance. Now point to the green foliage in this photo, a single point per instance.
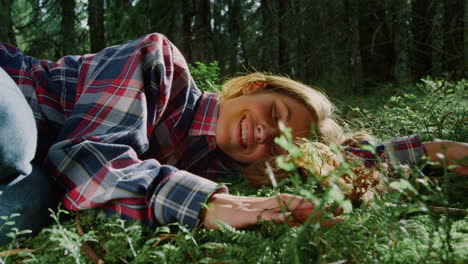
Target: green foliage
pixel 398 227
pixel 206 76
pixel 432 109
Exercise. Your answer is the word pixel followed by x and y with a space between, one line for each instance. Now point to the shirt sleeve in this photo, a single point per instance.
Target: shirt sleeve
pixel 403 150
pixel 122 93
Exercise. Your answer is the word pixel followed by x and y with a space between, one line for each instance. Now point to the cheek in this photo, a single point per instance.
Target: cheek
pixel 262 152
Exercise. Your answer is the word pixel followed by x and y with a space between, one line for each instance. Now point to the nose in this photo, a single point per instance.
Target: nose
pixel 265 133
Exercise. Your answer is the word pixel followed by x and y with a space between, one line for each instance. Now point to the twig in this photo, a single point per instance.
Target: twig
pixel 442 85
pixel 191 256
pixel 15 251
pixel 87 249
pixel 107 252
pixel 162 237
pixel 448 210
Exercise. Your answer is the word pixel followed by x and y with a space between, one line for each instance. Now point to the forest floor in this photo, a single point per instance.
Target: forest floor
pixel 406 225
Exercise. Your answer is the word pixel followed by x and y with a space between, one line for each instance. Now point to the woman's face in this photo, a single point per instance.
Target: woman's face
pixel 248 124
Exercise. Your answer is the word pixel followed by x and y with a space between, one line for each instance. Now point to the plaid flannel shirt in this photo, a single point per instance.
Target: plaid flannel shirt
pixel 98 115
pixel 404 150
pixel 120 130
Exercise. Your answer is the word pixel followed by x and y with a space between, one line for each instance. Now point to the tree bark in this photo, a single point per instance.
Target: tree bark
pixel 355 61
pixel 7 34
pixel 454 30
pixel 234 27
pixel 269 33
pixel 421 38
pixel 283 6
pixel 187 29
pixel 300 46
pixel 68 26
pixel 203 46
pixel 402 40
pixel 465 40
pixel 437 38
pixel 96 25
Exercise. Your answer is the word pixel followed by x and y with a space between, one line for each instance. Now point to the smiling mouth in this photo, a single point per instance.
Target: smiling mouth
pixel 244 132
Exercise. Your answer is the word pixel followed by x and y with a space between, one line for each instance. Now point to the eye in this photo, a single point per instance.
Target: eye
pixel 275 114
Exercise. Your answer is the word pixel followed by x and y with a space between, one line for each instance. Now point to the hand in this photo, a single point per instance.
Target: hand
pixel 242 211
pixel 453 151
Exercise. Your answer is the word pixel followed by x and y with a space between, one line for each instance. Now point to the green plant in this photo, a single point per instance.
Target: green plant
pixel 68 240
pixel 206 76
pixel 398 227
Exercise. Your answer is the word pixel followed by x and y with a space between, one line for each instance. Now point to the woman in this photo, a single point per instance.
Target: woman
pixel 126 130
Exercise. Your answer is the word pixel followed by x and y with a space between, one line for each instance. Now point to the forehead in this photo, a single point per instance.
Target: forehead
pixel 298 116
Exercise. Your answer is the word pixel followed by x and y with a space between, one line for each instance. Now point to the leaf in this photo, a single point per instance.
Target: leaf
pixel 9 223
pixel 284 164
pixel 25 231
pixel 403 185
pixel 163 229
pixel 335 194
pixel 212 245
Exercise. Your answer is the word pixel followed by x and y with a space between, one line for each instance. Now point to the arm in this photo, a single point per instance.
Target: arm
pixel 455 153
pixel 242 211
pixel 122 93
pixel 411 150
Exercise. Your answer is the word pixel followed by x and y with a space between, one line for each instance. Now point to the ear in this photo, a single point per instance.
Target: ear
pixel 253 87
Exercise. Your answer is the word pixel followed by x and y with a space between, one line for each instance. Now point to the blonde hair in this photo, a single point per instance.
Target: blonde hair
pixel 318 160
pixel 326 128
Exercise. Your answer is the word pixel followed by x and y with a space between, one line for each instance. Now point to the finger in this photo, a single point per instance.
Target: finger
pixel 276 217
pixel 304 213
pixel 289 201
pixel 331 222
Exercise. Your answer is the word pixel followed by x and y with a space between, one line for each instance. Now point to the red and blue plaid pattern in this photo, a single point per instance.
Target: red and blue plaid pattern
pixel 405 150
pixel 120 130
pixel 99 114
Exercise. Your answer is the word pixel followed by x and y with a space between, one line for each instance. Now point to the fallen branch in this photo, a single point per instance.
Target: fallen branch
pixel 15 251
pixel 448 211
pixel 162 237
pixel 87 249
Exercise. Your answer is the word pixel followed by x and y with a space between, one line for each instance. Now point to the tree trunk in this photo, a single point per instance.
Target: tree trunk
pixel 465 41
pixel 68 26
pixel 7 33
pixel 269 33
pixel 283 6
pixel 203 49
pixel 187 29
pixel 300 46
pixel 234 28
pixel 402 40
pixel 355 63
pixel 421 37
pixel 437 38
pixel 219 38
pixel 454 30
pixel 96 25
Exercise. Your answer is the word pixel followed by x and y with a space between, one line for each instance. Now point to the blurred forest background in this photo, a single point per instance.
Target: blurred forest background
pixel 346 46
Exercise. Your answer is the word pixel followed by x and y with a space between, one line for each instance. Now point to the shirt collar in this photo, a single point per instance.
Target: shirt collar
pixel 206 116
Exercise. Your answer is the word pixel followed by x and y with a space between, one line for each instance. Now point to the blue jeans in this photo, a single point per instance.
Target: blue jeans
pixel 24 188
pixel 30 196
